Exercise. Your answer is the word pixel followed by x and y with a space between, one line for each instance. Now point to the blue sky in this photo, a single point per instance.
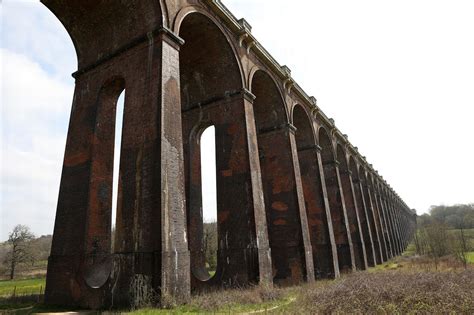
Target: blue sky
pixel 397 76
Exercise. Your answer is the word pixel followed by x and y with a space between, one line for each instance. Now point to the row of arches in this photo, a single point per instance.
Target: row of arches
pixel 317 199
pixel 292 204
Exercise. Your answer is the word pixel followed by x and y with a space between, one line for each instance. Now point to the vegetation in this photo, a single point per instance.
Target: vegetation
pixel 210 246
pixel 456 217
pixel 446 231
pixel 408 284
pixel 22 287
pixel 29 257
pixel 20 250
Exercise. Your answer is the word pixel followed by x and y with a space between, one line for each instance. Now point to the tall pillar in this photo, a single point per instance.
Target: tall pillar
pixel 175 277
pixel 379 221
pixel 151 251
pixel 243 254
pixel 393 234
pixel 394 223
pixel 383 212
pixel 353 222
pixel 282 188
pixel 397 222
pixel 338 215
pixel 374 225
pixel 327 207
pixel 308 252
pixel 319 217
pixel 369 242
pixel 346 219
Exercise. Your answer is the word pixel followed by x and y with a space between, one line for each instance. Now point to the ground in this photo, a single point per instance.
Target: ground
pixel 407 284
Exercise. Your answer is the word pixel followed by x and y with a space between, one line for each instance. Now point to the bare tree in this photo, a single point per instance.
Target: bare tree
pixel 20 251
pixel 437 241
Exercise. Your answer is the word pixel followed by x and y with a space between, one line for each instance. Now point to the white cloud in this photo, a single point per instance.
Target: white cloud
pixel 35 110
pixel 30 29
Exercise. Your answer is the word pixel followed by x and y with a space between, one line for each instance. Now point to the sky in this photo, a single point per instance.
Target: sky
pixel 397 77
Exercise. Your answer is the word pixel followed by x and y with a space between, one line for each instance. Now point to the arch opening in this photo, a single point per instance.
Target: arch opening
pixel 313 194
pixel 279 182
pixel 335 201
pixel 209 198
pixel 98 264
pixel 116 167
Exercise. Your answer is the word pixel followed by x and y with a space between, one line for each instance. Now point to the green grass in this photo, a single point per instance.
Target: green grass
pixel 24 286
pixel 470 257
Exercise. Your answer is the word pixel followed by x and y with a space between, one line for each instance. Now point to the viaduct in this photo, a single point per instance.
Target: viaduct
pixel 296 200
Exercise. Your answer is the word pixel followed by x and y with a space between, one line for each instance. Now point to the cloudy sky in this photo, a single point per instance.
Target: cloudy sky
pixel 397 76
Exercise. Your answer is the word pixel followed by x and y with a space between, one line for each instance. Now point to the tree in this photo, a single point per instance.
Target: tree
pixel 20 250
pixel 437 241
pixel 210 244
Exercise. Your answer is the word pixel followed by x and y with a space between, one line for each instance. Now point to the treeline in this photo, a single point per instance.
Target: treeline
pixel 446 230
pixel 455 217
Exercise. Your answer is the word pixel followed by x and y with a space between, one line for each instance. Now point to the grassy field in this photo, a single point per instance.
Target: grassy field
pixel 22 287
pixel 406 284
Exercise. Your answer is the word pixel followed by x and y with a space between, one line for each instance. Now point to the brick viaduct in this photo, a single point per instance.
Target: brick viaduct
pixel 296 201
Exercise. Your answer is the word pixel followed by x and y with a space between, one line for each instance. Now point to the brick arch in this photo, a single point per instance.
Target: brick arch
pixel 89 25
pixel 275 138
pixel 208 65
pixel 336 200
pixel 320 229
pixel 212 94
pixel 366 180
pixel 325 142
pixel 269 106
pixel 185 12
pixel 303 120
pixel 352 207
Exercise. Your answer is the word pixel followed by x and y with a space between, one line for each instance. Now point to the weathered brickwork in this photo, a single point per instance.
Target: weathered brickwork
pixel 296 201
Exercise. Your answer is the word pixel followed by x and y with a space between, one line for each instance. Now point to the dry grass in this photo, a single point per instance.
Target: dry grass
pixel 389 292
pixel 225 299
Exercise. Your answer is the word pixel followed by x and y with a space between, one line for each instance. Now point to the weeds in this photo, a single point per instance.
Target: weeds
pixel 390 292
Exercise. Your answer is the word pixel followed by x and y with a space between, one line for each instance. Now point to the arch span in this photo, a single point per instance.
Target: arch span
pixel 212 94
pixel 351 208
pixel 319 228
pixel 330 165
pixel 89 23
pixel 279 181
pixel 362 213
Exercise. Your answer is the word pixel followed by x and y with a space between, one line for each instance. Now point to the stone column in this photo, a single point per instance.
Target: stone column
pixel 175 276
pixel 302 209
pixel 359 225
pixel 371 259
pixel 378 245
pixel 346 219
pixel 327 207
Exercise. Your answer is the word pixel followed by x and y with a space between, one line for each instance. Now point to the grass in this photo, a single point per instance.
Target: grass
pixel 470 257
pixel 389 292
pixel 23 287
pixel 406 284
